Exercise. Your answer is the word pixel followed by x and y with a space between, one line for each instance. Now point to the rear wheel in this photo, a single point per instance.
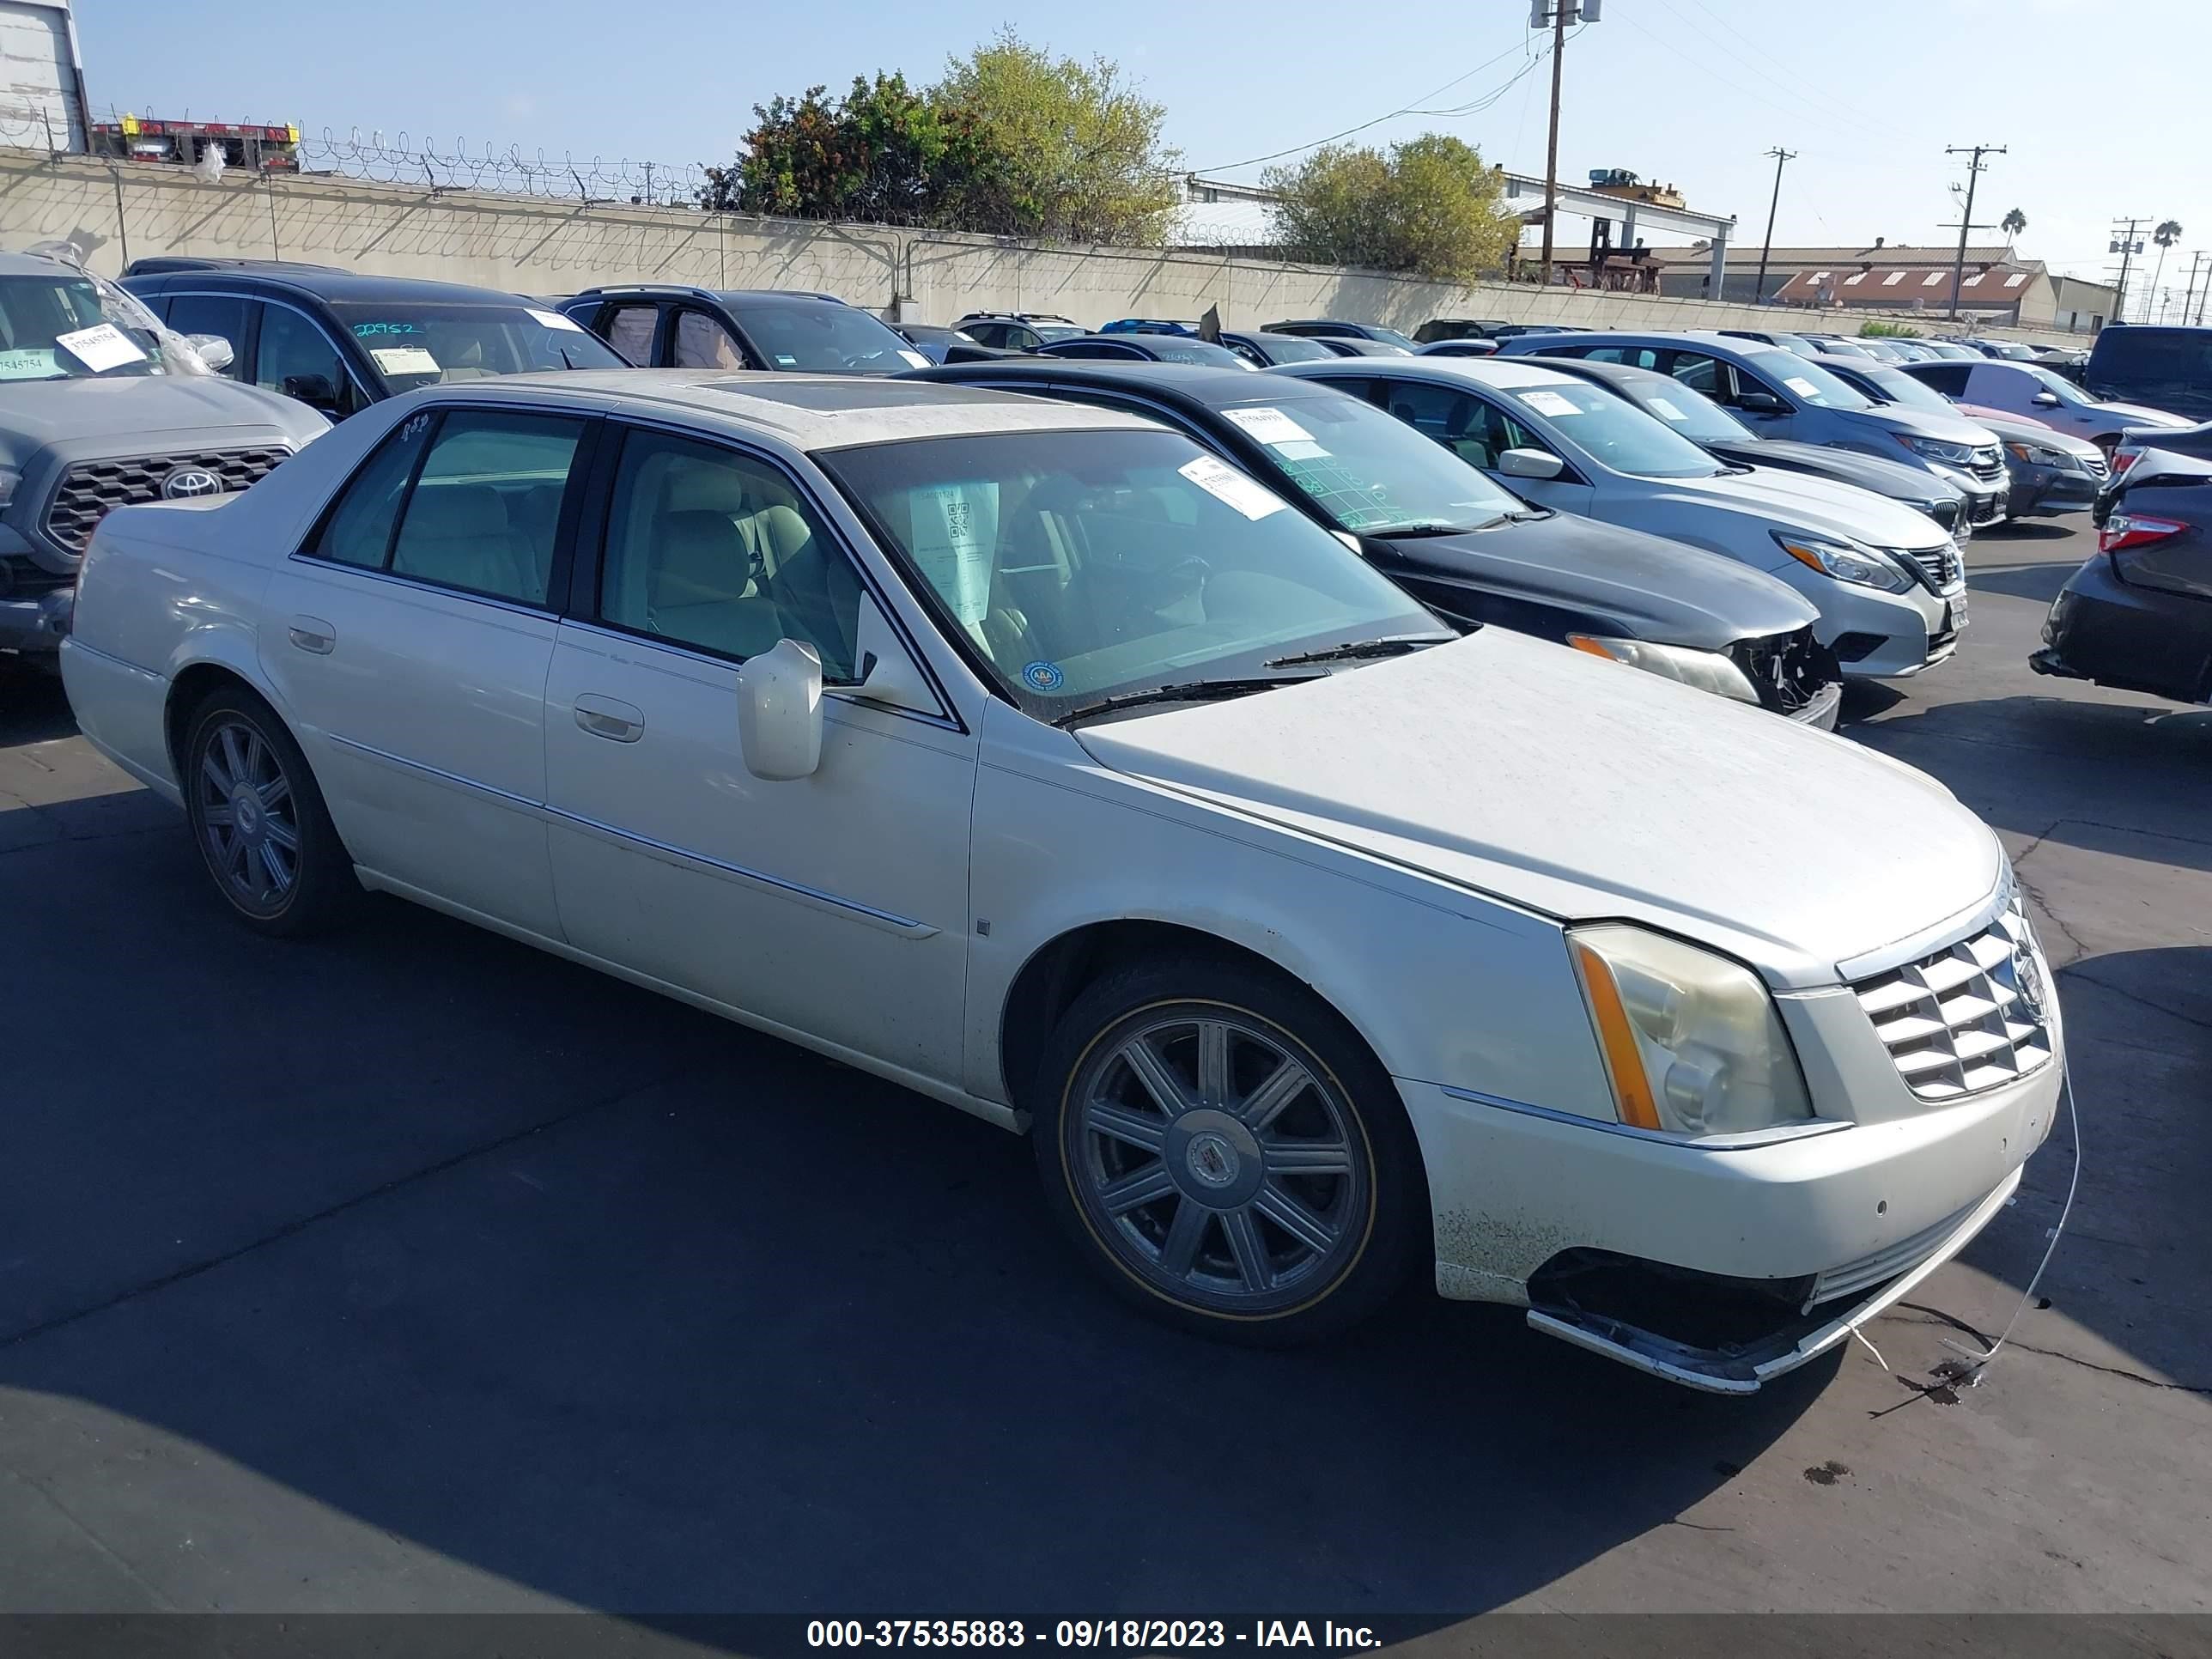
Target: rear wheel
pixel 1226 1152
pixel 258 819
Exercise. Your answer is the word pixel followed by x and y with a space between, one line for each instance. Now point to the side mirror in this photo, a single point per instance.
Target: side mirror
pixel 2045 400
pixel 779 712
pixel 1760 402
pixel 315 390
pixel 215 352
pixel 1530 464
pixel 888 674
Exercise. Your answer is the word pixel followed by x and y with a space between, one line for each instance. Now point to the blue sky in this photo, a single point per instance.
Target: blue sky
pixel 2103 117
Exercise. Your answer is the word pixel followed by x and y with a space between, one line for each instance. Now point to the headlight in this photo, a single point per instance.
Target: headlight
pixel 1708 670
pixel 1860 566
pixel 8 479
pixel 1937 450
pixel 2036 455
pixel 1693 1045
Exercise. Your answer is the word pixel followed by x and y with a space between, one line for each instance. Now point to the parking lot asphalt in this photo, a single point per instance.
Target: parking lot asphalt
pixel 411 1269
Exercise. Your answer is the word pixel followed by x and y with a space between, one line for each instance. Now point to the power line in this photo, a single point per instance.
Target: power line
pixel 1410 109
pixel 1967 214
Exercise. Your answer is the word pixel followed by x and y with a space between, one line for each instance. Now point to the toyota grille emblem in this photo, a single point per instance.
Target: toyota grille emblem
pixel 188 482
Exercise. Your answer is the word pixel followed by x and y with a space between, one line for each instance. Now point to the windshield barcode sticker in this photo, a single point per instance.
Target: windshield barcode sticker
pixel 103 346
pixel 1225 484
pixel 403 360
pixel 955 536
pixel 554 320
pixel 1269 426
pixel 1549 402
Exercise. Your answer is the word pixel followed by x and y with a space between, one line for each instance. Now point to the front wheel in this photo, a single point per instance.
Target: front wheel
pixel 259 821
pixel 1224 1150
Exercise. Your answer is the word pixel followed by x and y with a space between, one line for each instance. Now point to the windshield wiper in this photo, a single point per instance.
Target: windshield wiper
pixel 1351 650
pixel 1188 691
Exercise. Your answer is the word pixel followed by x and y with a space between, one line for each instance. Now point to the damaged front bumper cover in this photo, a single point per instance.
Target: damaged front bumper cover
pixel 1743 1367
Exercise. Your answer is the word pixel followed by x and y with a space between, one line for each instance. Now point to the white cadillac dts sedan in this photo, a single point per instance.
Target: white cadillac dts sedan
pixel 1030 755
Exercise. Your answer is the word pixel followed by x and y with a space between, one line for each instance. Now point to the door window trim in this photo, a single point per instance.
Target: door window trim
pixel 582 468
pixel 579 606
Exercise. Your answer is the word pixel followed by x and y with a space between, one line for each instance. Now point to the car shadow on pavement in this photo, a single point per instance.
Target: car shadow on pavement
pixel 2039 581
pixel 417 1246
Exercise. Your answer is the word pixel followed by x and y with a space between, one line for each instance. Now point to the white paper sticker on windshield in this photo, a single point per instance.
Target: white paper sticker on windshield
pixel 914 359
pixel 102 346
pixel 1269 426
pixel 956 531
pixel 1803 388
pixel 554 319
pixel 1548 403
pixel 1225 484
pixel 403 360
pixel 1662 406
pixel 1305 450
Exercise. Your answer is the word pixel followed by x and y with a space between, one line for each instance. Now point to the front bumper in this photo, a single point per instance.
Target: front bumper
pixel 35 627
pixel 1877 635
pixel 2135 639
pixel 1986 503
pixel 2043 491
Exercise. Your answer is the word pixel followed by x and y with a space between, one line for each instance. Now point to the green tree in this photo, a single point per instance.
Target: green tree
pixel 882 152
pixel 2011 224
pixel 1070 151
pixel 1430 207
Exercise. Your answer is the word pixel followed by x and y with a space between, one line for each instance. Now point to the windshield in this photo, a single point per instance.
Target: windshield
pixel 70 326
pixel 1391 336
pixel 1615 434
pixel 1692 414
pixel 1081 565
pixel 1895 385
pixel 1367 471
pixel 1810 382
pixel 1294 349
pixel 824 337
pixel 1050 332
pixel 1169 349
pixel 419 345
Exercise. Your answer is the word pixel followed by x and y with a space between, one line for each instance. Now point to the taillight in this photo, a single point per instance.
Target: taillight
pixel 2122 460
pixel 2125 530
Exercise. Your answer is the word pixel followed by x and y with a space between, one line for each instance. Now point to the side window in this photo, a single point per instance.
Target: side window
pixel 298 359
pixel 1701 374
pixel 703 342
pixel 711 549
pixel 1021 339
pixel 484 508
pixel 1460 422
pixel 1949 379
pixel 989 334
pixel 358 530
pixel 213 314
pixel 628 330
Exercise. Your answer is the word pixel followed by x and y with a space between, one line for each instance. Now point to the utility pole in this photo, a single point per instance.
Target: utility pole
pixel 2123 244
pixel 2189 294
pixel 1758 288
pixel 1556 15
pixel 1966 218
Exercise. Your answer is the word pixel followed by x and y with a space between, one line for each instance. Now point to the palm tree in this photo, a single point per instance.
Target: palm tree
pixel 2011 224
pixel 2166 236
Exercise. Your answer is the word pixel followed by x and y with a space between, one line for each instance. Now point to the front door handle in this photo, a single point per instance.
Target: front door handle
pixel 313 633
pixel 604 717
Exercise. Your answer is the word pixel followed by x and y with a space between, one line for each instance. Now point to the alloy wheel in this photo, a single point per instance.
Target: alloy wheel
pixel 1224 1169
pixel 249 820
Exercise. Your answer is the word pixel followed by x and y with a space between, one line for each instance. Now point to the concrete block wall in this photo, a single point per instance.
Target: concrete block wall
pixel 122 211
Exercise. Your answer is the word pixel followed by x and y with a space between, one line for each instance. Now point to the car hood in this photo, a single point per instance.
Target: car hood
pixel 1892 478
pixel 41 412
pixel 1800 502
pixel 1923 424
pixel 2137 415
pixel 1585 789
pixel 1651 587
pixel 2019 428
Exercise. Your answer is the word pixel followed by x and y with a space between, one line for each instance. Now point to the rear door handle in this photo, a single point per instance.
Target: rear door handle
pixel 604 717
pixel 313 633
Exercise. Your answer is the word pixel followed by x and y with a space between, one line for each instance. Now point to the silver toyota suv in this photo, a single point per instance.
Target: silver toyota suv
pixel 101 406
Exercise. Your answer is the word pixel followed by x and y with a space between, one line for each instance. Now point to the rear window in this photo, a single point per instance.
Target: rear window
pixel 2164 368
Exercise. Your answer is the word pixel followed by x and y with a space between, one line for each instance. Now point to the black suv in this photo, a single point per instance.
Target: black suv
pixel 2168 369
pixel 661 327
pixel 1018 331
pixel 339 342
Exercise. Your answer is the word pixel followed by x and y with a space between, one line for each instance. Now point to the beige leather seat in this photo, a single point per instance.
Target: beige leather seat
pixel 458 535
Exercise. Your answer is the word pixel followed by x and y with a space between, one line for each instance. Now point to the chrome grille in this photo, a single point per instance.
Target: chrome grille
pixel 1988 464
pixel 1941 567
pixel 2095 466
pixel 1970 1016
pixel 1883 1264
pixel 91 489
